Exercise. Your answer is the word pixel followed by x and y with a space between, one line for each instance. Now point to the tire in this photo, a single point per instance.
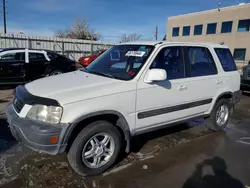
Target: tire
pixel 55 72
pixel 83 143
pixel 212 123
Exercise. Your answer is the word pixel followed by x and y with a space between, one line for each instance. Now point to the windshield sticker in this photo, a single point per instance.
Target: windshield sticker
pixel 135 53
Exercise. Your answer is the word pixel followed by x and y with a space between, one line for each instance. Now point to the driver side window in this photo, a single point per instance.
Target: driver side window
pixel 13 56
pixel 170 59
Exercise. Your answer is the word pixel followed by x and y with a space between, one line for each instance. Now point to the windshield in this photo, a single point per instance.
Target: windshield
pixel 121 61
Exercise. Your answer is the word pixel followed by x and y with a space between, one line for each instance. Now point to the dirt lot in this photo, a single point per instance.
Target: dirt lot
pixel 188 156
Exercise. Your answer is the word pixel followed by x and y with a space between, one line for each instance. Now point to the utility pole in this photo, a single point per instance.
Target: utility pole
pixel 156 33
pixel 4 17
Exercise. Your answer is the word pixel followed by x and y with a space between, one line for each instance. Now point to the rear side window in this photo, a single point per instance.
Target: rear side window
pixel 226 59
pixel 36 56
pixel 51 55
pixel 201 62
pixel 20 56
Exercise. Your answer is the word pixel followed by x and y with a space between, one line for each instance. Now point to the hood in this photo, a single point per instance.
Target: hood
pixel 76 86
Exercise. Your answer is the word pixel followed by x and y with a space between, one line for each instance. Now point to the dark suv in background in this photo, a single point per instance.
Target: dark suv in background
pixel 245 77
pixel 19 66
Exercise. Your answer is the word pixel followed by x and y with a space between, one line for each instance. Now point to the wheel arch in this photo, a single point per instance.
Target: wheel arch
pixel 116 118
pixel 226 95
pixel 55 65
pixel 50 69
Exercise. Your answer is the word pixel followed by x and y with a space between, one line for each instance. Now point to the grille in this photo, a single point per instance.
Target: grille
pixel 18 105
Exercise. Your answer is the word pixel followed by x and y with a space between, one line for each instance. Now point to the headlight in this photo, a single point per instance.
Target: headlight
pixel 47 114
pixel 86 59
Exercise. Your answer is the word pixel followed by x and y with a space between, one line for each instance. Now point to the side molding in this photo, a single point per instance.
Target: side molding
pixel 170 109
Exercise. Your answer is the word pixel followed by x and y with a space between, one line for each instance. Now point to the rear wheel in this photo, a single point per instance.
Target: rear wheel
pixel 95 149
pixel 220 116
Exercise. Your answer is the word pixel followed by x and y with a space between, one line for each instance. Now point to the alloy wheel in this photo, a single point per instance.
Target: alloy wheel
pixel 98 150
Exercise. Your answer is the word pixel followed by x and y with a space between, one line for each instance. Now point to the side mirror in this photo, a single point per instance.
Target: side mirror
pixel 155 75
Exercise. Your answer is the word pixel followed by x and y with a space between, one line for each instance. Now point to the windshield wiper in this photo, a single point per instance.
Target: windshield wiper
pixel 100 73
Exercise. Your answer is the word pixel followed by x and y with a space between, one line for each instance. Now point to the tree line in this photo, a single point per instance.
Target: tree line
pixel 80 29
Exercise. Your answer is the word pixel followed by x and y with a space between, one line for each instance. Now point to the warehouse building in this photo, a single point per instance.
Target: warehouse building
pixel 229 26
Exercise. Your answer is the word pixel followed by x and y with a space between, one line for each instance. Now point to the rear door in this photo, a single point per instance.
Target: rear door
pixel 203 77
pixel 12 64
pixel 37 65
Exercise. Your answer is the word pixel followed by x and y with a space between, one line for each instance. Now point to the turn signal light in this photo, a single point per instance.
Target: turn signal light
pixel 54 139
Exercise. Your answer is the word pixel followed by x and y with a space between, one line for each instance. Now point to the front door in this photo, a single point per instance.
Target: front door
pixel 12 66
pixel 179 97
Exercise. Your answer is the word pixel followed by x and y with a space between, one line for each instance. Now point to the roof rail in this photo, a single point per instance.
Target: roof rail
pixel 158 43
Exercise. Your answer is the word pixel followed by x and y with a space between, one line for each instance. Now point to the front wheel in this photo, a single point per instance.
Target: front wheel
pixel 55 72
pixel 95 149
pixel 220 116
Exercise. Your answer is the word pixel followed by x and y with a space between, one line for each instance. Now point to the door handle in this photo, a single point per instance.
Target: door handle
pixel 181 88
pixel 218 81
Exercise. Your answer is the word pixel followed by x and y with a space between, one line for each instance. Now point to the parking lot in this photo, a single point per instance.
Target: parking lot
pixel 187 155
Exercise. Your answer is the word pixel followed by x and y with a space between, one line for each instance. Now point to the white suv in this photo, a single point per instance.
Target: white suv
pixel 131 89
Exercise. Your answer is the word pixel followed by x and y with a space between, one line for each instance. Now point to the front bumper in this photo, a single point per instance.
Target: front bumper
pixel 36 135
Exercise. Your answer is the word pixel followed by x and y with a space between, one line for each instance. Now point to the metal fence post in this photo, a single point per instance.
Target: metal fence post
pixel 74 51
pixel 29 43
pixel 54 47
pixel 63 48
pixel 91 48
pixel 14 39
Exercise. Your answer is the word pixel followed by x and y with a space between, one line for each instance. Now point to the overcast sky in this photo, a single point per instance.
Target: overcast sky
pixel 111 18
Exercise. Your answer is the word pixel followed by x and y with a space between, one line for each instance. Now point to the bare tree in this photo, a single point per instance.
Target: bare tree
pixel 79 30
pixel 130 37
